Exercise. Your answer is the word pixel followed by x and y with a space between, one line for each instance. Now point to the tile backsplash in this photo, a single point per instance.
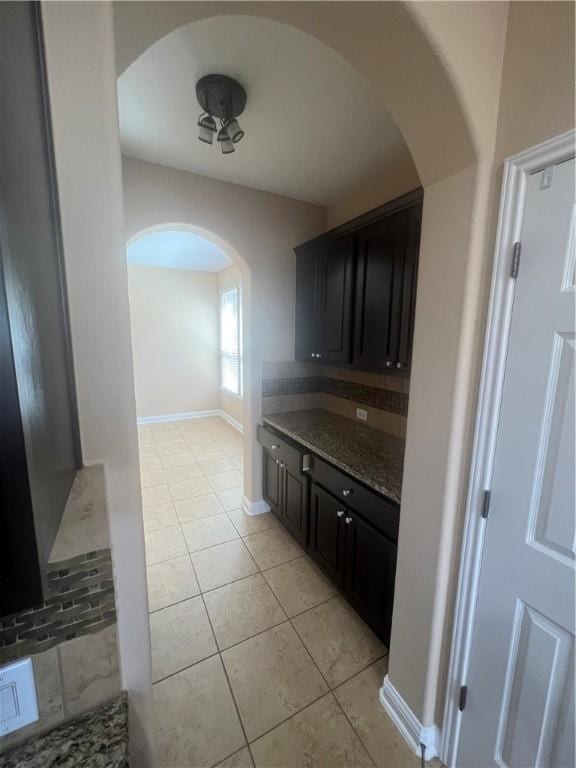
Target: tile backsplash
pixel 288 386
pixel 71 636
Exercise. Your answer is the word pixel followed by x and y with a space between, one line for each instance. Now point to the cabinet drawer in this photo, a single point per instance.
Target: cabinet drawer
pixel 281 449
pixel 382 514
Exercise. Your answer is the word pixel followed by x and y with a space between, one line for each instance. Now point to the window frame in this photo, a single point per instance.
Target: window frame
pixel 240 353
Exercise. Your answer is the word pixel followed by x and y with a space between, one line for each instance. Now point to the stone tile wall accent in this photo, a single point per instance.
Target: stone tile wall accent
pixel 375 397
pixel 79 600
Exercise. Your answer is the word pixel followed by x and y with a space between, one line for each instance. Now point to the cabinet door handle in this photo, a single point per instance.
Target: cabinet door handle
pixel 346 492
pixel 388 363
pixel 398 365
pixel 348 520
pixel 340 513
pixel 318 355
pixel 273 447
pixel 312 354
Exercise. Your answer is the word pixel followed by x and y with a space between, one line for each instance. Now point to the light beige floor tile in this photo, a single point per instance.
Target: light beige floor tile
pixel 147 452
pixel 171 582
pixel 212 422
pixel 200 442
pixel 159 516
pixel 223 564
pixel 151 476
pixel 273 547
pixel 170 441
pixel 207 454
pixel 151 461
pixel 241 759
pixel 180 474
pixel 215 466
pixel 208 532
pixel 164 544
pixel 198 507
pixel 248 524
pixel 177 458
pixel 225 480
pixel 242 609
pixel 340 642
pixel 191 427
pixel 163 427
pixel 318 737
pixel 187 489
pixel 299 585
pixel 157 494
pixel 180 636
pixel 359 699
pixel 196 720
pixel 231 498
pixel 272 677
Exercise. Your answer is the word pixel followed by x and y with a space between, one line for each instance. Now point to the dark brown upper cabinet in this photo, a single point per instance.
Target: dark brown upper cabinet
pixel 325 276
pixel 356 288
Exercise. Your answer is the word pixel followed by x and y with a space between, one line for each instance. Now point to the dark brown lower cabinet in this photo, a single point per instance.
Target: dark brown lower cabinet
pixel 370 573
pixel 356 557
pixel 349 530
pixel 326 544
pixel 286 490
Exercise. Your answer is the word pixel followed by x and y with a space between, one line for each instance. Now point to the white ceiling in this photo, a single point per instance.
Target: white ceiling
pixel 313 129
pixel 178 250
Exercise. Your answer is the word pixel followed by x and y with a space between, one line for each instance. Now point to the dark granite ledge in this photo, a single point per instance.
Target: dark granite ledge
pixel 373 457
pixel 98 739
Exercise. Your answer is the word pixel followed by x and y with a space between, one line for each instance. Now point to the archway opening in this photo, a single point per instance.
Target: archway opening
pixel 186 307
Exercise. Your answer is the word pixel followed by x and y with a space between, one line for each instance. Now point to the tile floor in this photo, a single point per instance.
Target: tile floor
pixel 257 661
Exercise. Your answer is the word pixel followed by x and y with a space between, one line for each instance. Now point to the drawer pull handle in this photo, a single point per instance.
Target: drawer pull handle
pixel 348 520
pixel 340 513
pixel 346 492
pixel 274 446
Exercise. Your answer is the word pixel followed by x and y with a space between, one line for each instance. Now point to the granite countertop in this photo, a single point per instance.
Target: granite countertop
pixel 374 457
pixel 98 739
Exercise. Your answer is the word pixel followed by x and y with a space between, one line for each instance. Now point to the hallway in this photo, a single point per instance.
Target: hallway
pixel 251 645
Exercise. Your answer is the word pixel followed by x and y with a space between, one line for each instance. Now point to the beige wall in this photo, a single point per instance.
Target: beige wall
pixel 230 403
pixel 258 231
pixel 79 51
pixel 395 181
pixel 537 97
pixel 174 316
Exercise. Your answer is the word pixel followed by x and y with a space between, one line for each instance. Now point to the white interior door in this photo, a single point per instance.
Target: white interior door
pixel 520 703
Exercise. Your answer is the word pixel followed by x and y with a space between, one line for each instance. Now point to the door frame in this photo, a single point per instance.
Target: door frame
pixel 510 219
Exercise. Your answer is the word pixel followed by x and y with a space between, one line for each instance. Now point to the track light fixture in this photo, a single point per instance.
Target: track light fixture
pixel 223 98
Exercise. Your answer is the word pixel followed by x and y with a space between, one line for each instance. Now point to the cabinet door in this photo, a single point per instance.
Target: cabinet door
pixel 335 296
pixel 307 301
pixel 370 573
pixel 379 288
pixel 327 532
pixel 295 503
pixel 271 485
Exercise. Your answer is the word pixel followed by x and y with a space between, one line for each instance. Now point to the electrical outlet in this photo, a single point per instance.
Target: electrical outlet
pixel 18 702
pixel 361 414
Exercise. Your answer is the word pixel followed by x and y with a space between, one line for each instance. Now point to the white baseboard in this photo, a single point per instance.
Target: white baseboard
pixel 414 733
pixel 191 415
pixel 177 416
pixel 253 508
pixel 230 420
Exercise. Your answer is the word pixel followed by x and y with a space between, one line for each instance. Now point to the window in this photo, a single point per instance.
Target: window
pixel 231 341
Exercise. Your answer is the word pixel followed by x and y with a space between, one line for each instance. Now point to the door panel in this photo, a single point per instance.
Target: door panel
pixel 295 507
pixel 271 483
pixel 306 303
pixel 521 679
pixel 327 533
pixel 370 573
pixel 334 330
pixel 379 290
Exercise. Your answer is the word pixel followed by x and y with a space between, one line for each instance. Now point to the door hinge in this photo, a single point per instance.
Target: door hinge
pixel 515 259
pixel 486 504
pixel 462 698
